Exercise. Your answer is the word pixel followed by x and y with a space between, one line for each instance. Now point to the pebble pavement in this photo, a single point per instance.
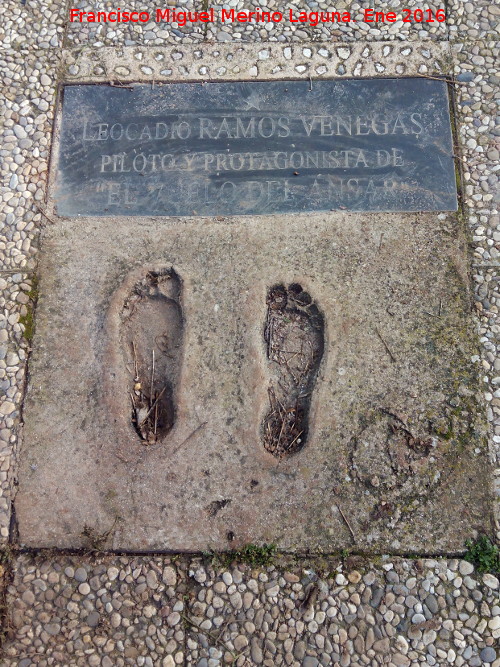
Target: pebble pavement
pixel 283 31
pixel 130 610
pixel 116 610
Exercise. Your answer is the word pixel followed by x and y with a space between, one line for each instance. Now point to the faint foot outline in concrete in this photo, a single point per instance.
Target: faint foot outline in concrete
pixel 295 341
pixel 152 340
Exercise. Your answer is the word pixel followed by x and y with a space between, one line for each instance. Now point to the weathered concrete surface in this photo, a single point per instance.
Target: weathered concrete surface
pixel 247 61
pixel 396 436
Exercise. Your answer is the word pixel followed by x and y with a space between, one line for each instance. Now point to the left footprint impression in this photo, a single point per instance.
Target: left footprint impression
pixel 152 339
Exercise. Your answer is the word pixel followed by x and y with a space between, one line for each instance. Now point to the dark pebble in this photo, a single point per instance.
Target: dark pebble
pixel 465 76
pixel 488 654
pixel 431 603
pixel 93 619
pixel 377 595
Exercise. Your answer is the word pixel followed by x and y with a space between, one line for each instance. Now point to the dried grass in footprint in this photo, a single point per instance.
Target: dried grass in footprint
pixel 294 336
pixel 152 337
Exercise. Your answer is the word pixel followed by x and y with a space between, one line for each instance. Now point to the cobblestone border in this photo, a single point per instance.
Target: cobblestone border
pixel 153 33
pixel 140 610
pixel 27 110
pixel 474 69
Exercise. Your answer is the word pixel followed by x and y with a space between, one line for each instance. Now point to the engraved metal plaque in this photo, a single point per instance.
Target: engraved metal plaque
pixel 255 148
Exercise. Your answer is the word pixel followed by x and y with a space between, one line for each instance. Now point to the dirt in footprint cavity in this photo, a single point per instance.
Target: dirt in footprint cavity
pixel 152 335
pixel 294 336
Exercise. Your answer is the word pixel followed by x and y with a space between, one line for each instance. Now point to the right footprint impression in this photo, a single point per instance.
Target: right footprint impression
pixel 152 336
pixel 294 335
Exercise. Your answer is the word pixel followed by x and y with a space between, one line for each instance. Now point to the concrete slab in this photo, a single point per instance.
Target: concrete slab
pixel 395 452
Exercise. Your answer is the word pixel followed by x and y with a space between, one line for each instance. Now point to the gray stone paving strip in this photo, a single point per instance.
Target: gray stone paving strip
pixel 475 69
pixel 129 610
